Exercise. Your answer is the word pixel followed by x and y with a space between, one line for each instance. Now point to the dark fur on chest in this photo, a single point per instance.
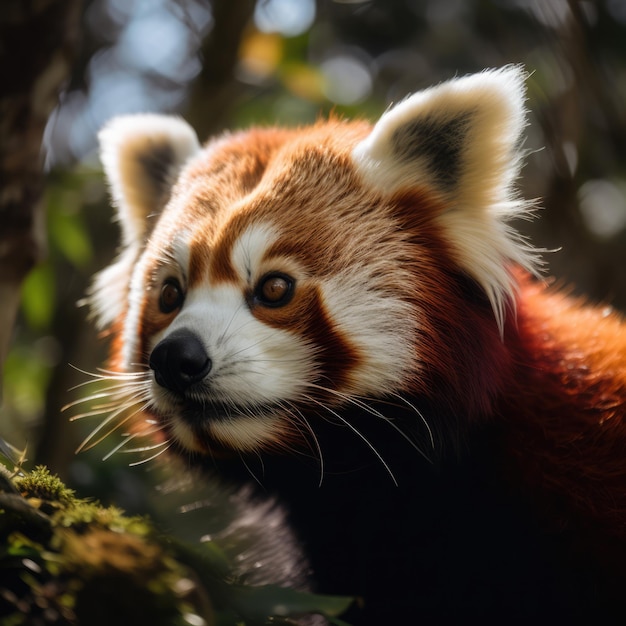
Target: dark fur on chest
pixel 451 542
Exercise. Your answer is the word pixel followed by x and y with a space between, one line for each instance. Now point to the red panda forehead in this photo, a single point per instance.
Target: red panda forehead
pixel 293 197
pixel 308 189
pixel 235 161
pixel 238 161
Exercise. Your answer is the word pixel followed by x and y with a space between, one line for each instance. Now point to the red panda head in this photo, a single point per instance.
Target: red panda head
pixel 274 277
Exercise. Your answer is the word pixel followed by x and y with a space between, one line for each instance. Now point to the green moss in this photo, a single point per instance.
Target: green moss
pixel 70 561
pixel 41 484
pixel 79 514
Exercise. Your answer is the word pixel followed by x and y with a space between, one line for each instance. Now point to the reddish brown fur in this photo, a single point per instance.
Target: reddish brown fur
pixel 464 362
pixel 117 344
pixel 248 174
pixel 400 332
pixel 565 406
pixel 212 198
pixel 556 383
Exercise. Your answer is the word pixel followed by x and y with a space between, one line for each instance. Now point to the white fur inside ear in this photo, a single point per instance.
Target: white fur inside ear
pixel 142 156
pixel 108 293
pixel 460 140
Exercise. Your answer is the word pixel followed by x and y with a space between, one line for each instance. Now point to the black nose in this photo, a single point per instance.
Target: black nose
pixel 179 361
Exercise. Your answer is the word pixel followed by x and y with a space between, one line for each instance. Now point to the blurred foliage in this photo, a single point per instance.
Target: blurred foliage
pixel 231 63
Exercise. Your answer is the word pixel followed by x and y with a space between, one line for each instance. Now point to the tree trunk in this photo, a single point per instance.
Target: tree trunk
pixel 38 39
pixel 215 90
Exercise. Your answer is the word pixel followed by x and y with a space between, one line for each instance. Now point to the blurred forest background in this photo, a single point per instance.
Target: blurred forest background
pixel 231 63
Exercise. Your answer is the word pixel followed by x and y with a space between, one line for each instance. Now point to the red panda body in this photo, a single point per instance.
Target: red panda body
pixel 343 315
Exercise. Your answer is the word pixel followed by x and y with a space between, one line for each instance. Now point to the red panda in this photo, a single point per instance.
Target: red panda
pixel 344 317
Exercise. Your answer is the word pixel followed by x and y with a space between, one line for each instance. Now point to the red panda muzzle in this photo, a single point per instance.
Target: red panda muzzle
pixel 179 361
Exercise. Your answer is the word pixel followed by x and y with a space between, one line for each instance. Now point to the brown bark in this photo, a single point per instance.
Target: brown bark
pixel 215 90
pixel 37 43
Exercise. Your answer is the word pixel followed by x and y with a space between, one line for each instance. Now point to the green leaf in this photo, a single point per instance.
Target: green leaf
pixel 250 605
pixel 256 604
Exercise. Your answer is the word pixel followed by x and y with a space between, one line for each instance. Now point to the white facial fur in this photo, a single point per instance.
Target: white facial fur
pixel 459 142
pixel 259 370
pixel 382 329
pixel 254 365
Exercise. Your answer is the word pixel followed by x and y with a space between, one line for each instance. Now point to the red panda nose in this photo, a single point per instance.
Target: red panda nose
pixel 179 361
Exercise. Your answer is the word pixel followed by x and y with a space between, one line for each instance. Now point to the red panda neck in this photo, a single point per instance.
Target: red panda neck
pixel 562 412
pixel 466 364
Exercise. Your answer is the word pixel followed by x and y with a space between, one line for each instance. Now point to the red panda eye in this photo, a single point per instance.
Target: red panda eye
pixel 274 289
pixel 171 297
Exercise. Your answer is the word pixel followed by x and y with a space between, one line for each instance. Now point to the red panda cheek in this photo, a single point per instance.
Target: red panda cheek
pixel 116 356
pixel 152 321
pixel 336 359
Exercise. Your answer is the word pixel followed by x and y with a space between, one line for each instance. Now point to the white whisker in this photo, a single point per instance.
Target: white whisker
pixel 298 417
pixel 419 414
pixel 117 448
pixel 123 396
pixel 254 476
pixel 360 403
pixel 149 448
pixel 106 375
pixel 89 442
pixel 122 389
pixel 151 458
pixel 129 437
pixel 357 432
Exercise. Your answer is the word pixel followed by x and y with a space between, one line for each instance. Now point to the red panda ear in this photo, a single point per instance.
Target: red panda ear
pixel 460 141
pixel 142 156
